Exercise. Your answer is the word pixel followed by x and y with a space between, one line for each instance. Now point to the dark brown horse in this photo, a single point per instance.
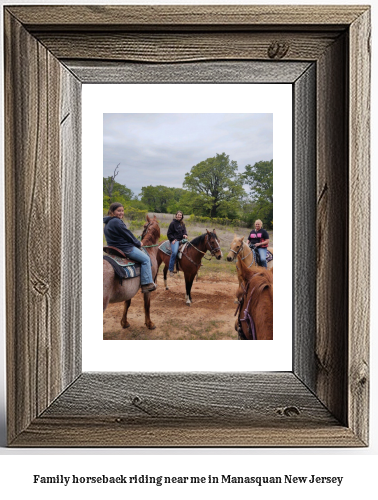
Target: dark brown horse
pixel 114 292
pixel 190 261
pixel 255 321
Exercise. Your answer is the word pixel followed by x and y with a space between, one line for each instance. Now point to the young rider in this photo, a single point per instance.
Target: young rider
pixel 117 235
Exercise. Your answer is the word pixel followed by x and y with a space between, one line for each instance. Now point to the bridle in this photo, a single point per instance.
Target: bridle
pixel 211 249
pixel 247 316
pixel 243 258
pixel 145 230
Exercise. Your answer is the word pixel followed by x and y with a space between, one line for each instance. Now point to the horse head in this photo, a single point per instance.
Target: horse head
pixel 235 248
pixel 214 245
pixel 151 229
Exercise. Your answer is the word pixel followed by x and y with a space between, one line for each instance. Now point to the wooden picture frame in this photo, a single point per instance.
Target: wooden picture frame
pixel 324 51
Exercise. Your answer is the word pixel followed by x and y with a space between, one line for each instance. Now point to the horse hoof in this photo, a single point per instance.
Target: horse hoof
pixel 166 288
pixel 151 327
pixel 125 326
pixel 187 303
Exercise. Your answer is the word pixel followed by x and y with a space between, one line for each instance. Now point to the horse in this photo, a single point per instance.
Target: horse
pixel 255 320
pixel 240 248
pixel 113 291
pixel 190 261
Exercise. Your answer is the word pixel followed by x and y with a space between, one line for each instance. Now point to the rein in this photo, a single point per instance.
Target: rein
pixel 247 316
pixel 211 249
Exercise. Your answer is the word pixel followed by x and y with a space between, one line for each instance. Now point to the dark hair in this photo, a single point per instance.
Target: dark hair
pixel 182 218
pixel 113 207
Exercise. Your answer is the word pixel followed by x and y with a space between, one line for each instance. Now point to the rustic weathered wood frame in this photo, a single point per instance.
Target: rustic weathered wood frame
pixel 49 52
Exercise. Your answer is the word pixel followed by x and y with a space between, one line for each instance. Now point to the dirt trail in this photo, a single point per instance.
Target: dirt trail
pixel 210 317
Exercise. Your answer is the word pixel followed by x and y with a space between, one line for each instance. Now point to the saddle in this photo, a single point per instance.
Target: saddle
pixel 117 255
pixel 256 255
pixel 165 247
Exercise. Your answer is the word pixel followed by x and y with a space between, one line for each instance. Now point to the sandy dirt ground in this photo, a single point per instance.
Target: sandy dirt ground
pixel 210 317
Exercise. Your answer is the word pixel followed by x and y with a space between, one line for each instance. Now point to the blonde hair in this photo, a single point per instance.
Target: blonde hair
pixel 258 220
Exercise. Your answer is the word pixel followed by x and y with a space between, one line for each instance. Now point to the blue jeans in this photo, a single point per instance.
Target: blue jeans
pixel 145 268
pixel 172 260
pixel 262 253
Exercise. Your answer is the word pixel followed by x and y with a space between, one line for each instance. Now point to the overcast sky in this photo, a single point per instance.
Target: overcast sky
pixel 160 148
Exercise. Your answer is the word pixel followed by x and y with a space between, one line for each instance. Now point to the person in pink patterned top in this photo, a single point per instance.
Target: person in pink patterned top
pixel 259 238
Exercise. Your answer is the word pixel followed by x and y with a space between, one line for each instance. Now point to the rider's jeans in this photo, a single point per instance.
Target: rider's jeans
pixel 172 260
pixel 145 268
pixel 262 253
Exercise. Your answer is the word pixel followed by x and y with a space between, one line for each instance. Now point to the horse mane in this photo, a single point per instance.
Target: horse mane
pixel 200 239
pixel 260 281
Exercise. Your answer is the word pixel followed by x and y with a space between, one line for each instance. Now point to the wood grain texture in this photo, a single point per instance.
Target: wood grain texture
pixel 185 16
pixel 324 401
pixel 332 230
pixel 304 227
pixel 193 409
pixel 180 47
pixel 359 210
pixel 199 72
pixel 71 192
pixel 35 345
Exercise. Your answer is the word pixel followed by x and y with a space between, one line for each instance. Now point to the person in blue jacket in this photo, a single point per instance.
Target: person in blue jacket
pixel 117 235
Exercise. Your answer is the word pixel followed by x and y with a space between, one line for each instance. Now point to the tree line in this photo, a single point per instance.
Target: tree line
pixel 212 188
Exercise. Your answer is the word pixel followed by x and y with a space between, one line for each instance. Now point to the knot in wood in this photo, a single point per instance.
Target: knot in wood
pixel 41 287
pixel 278 50
pixel 288 411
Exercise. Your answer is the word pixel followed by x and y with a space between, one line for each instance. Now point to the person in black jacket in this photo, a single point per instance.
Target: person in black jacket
pixel 176 232
pixel 117 235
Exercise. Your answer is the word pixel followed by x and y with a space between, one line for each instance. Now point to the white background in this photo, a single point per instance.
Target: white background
pixel 186 355
pixel 358 466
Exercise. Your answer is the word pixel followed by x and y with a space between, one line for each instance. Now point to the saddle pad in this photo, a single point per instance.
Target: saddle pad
pixel 269 256
pixel 166 247
pixel 123 272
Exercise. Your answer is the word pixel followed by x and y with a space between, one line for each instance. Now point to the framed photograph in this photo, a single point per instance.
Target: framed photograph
pixel 323 52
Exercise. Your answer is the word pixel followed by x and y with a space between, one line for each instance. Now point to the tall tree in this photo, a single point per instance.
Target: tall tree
pixel 217 182
pixel 259 177
pixel 108 183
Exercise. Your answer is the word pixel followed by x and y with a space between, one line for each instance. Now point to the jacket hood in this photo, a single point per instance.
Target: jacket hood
pixel 107 219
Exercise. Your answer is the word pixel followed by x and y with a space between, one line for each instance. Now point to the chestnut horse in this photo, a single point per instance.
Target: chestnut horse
pixel 255 321
pixel 190 261
pixel 114 292
pixel 240 248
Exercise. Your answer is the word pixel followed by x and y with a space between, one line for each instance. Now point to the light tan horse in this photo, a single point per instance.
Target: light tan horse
pixel 239 248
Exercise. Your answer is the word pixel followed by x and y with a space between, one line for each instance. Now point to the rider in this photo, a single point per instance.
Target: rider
pixel 260 239
pixel 117 235
pixel 176 232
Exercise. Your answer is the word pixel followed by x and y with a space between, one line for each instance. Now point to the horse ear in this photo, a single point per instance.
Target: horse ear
pixel 147 218
pixel 213 230
pixel 242 238
pixel 207 231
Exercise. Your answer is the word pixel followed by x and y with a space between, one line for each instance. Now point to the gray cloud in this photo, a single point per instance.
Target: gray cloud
pixel 156 148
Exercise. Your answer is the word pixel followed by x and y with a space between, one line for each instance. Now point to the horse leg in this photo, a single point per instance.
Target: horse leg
pixel 165 271
pixel 124 322
pixel 188 297
pixel 105 302
pixel 147 319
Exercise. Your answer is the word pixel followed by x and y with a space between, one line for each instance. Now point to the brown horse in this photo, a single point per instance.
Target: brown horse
pixel 255 321
pixel 114 292
pixel 190 261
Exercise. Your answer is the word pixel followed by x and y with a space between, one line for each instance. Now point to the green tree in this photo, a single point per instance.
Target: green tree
pixel 217 185
pixel 259 177
pixel 157 198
